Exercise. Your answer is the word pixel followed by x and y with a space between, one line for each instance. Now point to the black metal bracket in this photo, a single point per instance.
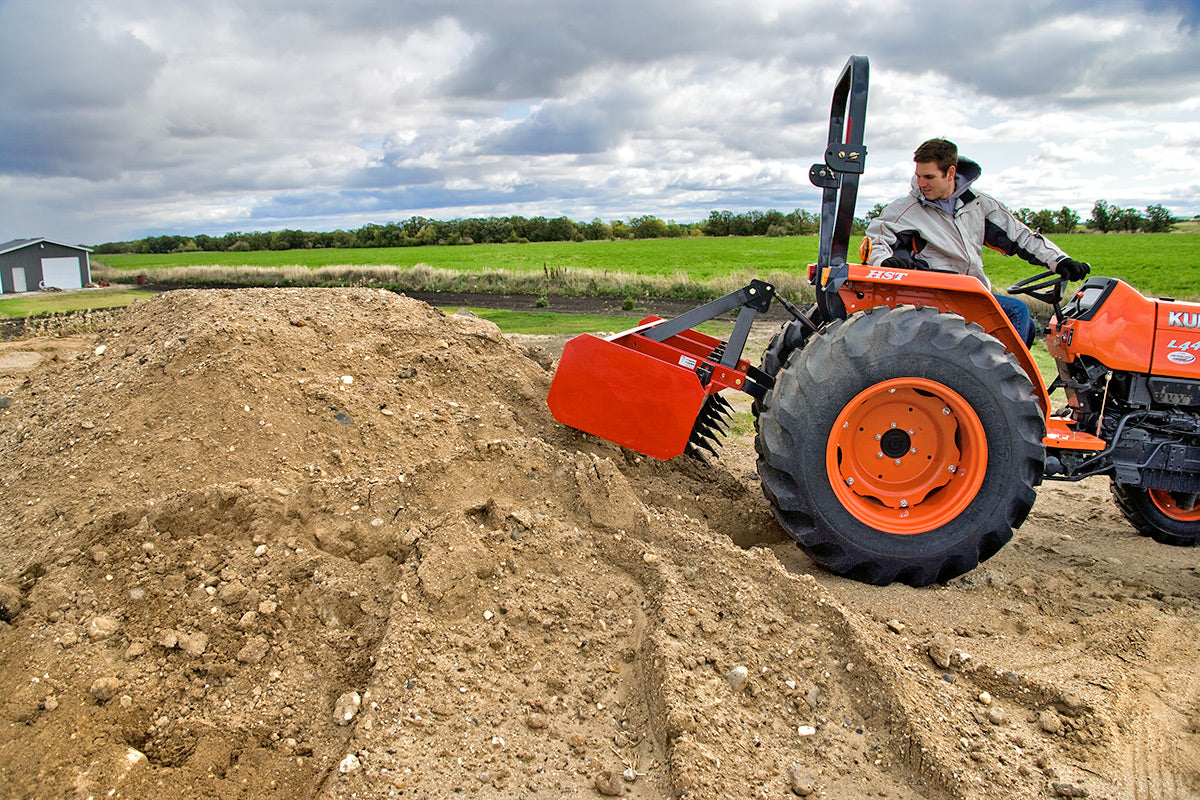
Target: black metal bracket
pixel 754 298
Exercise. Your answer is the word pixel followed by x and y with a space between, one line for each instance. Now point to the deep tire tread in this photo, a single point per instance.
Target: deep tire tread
pixel 824 373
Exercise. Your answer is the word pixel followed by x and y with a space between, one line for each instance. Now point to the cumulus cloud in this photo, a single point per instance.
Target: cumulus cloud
pixel 132 117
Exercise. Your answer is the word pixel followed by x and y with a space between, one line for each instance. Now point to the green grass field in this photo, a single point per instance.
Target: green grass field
pixel 17 306
pixel 1157 264
pixel 701 259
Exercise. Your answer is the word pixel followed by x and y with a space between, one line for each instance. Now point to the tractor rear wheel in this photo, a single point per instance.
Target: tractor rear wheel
pixel 1164 517
pixel 901 445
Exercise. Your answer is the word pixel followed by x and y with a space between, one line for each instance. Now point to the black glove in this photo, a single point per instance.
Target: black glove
pixel 1071 269
pixel 904 262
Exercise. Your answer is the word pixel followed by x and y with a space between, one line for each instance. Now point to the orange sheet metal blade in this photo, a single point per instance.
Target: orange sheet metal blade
pixel 626 397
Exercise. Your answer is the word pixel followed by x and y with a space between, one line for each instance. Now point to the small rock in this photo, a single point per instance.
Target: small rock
pixel 895 625
pixel 536 721
pixel 1063 789
pixel 801 782
pixel 345 709
pixel 193 644
pixel 806 730
pixel 102 627
pixel 349 764
pixel 996 715
pixel 1073 702
pixel 941 648
pixel 254 651
pixel 609 783
pixel 104 689
pixel 985 698
pixel 737 677
pixel 1050 722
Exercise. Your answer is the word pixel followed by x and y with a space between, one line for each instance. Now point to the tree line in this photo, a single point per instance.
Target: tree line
pixel 480 230
pixel 1105 218
pixel 497 230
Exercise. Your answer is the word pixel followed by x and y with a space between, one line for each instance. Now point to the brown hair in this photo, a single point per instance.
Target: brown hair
pixel 941 151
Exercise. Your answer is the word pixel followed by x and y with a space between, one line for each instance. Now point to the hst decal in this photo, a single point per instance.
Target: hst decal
pixel 889 275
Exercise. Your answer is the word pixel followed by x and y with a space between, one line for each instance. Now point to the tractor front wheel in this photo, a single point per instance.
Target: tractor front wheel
pixel 901 445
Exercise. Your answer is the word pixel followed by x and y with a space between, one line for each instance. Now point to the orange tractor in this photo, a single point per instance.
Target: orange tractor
pixel 902 424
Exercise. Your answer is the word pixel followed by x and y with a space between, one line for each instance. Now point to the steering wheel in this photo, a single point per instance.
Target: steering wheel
pixel 1045 286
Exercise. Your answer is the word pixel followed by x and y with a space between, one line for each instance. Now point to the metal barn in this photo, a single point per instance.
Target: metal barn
pixel 29 265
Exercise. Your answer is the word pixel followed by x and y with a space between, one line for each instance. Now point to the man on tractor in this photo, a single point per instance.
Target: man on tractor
pixel 943 224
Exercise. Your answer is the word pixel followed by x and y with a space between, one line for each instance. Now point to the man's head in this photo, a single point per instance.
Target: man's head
pixel 937 165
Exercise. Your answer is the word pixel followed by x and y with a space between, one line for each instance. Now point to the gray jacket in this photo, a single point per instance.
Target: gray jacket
pixel 950 234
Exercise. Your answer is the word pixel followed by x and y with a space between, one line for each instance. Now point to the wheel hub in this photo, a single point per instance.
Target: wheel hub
pixel 895 443
pixel 907 455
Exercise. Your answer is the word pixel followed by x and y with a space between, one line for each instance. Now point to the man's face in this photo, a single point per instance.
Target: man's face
pixel 934 185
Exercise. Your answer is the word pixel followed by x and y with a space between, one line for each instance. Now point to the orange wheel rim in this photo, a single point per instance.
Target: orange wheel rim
pixel 907 455
pixel 1165 502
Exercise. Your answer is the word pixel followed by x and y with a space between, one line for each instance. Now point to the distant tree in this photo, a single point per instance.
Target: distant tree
pixel 648 227
pixel 596 230
pixel 1129 220
pixel 717 223
pixel 1103 216
pixel 876 210
pixel 1065 220
pixel 1158 219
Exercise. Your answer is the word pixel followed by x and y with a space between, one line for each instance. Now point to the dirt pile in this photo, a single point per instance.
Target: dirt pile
pixel 330 543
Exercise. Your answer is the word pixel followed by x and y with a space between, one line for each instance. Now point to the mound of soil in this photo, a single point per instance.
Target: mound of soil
pixel 330 543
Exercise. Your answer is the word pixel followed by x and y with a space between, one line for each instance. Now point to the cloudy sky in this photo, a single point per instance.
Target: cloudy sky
pixel 128 118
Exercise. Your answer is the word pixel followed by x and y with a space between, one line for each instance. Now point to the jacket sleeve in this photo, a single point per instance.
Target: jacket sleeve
pixel 1004 232
pixel 881 231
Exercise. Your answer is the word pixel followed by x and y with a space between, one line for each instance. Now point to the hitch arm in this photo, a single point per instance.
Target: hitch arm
pixel 753 299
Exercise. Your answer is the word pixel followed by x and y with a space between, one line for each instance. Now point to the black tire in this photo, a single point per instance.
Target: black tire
pixel 945 381
pixel 1154 514
pixel 790 337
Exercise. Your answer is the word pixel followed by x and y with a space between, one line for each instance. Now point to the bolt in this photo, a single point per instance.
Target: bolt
pixel 912 450
pixel 945 412
pixel 897 462
pixel 878 436
pixel 953 468
pixel 879 455
pixel 893 424
pixel 849 481
pixel 904 504
pixel 910 431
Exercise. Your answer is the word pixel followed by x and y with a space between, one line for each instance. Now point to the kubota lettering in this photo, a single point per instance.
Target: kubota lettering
pixel 1183 319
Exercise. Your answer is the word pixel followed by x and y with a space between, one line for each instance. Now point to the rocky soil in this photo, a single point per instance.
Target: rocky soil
pixel 331 544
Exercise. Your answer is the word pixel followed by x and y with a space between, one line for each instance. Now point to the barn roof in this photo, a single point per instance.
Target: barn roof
pixel 17 244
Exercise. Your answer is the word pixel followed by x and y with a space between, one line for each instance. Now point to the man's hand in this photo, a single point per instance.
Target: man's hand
pixel 904 262
pixel 1071 269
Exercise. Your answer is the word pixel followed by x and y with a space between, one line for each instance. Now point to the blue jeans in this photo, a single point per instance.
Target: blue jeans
pixel 1019 316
